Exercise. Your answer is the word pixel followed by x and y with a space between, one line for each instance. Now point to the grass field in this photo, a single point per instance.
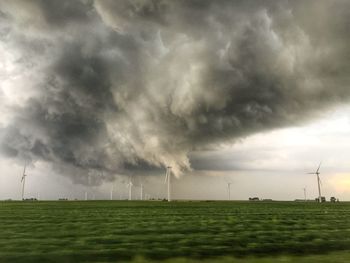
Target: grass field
pixel 110 231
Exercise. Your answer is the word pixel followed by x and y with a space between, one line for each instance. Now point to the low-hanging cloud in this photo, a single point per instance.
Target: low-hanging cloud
pixel 113 86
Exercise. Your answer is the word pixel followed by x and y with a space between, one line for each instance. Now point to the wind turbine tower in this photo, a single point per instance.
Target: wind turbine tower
pixel 168 179
pixel 229 190
pixel 304 193
pixel 318 183
pixel 111 194
pixel 130 184
pixel 141 192
pixel 88 187
pixel 23 180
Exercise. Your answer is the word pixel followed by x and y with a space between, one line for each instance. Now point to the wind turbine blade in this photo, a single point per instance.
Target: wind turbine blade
pixel 318 167
pixel 24 171
pixel 310 173
pixel 166 176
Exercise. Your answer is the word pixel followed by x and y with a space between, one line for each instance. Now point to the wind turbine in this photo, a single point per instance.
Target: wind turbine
pixel 229 190
pixel 318 182
pixel 141 194
pixel 23 180
pixel 111 195
pixel 120 194
pixel 112 191
pixel 100 175
pixel 87 187
pixel 130 185
pixel 147 196
pixel 304 193
pixel 168 179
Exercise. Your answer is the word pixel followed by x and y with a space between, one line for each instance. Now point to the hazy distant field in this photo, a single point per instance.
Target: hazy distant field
pixel 112 230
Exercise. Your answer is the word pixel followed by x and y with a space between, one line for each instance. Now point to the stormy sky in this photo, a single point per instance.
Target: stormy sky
pixel 253 92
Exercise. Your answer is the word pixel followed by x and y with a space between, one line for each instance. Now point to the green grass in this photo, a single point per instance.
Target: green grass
pixel 110 231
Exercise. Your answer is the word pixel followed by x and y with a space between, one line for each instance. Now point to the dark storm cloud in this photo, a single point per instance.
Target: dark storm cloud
pixel 117 85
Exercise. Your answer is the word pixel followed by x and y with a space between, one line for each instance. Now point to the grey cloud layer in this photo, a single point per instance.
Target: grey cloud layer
pixel 116 85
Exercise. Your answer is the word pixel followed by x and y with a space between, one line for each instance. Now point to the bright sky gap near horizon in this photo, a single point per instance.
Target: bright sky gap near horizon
pixel 253 93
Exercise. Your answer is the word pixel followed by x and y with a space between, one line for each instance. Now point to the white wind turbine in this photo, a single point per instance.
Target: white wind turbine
pixel 88 187
pixel 120 194
pixel 229 190
pixel 318 182
pixel 147 196
pixel 130 185
pixel 304 193
pixel 141 193
pixel 111 194
pixel 168 180
pixel 112 191
pixel 99 179
pixel 23 180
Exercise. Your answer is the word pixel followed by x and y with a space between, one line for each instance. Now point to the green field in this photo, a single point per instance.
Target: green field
pixel 111 231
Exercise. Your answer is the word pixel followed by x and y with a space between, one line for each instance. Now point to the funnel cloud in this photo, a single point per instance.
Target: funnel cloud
pixel 117 86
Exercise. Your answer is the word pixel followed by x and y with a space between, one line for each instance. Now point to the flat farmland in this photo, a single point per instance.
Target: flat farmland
pixel 151 231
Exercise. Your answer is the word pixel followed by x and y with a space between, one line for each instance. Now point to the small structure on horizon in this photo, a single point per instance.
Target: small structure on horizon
pixel 320 199
pixel 254 199
pixel 334 200
pixel 30 199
